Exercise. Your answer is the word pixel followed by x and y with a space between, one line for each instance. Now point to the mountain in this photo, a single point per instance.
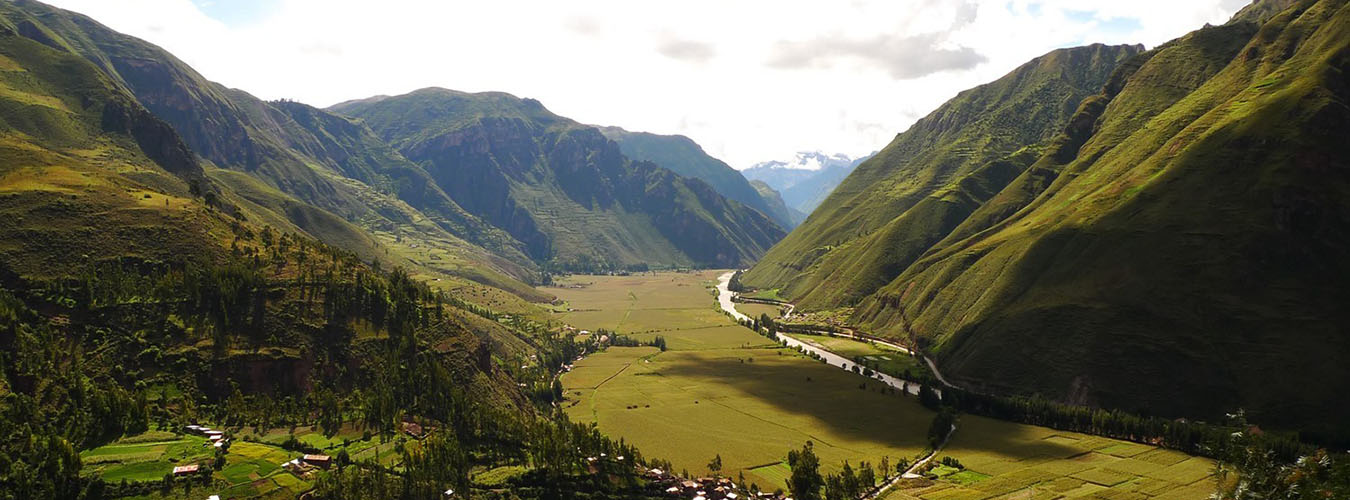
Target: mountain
pixel 1175 248
pixel 139 292
pixel 683 156
pixel 775 202
pixel 296 165
pixel 860 237
pixel 806 180
pixel 562 188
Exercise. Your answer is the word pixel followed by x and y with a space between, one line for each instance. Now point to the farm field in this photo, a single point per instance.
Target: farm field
pixel 755 310
pixel 881 358
pixel 1008 460
pixel 720 388
pixel 252 466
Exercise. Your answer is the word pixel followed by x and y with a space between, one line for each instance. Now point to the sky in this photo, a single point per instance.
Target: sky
pixel 749 80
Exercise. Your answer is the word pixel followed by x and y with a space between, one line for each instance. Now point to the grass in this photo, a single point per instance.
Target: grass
pixel 251 469
pixel 720 383
pixel 1023 461
pixel 755 310
pixel 878 357
pixel 722 390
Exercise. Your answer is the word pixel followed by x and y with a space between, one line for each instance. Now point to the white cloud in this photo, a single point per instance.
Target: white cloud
pixel 865 69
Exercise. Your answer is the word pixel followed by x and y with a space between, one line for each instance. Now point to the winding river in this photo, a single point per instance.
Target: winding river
pixel 724 296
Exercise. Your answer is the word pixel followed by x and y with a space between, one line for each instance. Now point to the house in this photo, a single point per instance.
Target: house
pixel 213 497
pixel 673 490
pixel 216 437
pixel 318 460
pixel 448 493
pixel 213 435
pixel 185 470
pixel 294 466
pixel 414 429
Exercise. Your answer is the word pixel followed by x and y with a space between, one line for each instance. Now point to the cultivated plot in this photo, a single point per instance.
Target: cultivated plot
pixel 1007 460
pixel 722 389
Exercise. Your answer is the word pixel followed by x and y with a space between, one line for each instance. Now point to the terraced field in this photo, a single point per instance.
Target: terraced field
pixel 1006 460
pixel 252 466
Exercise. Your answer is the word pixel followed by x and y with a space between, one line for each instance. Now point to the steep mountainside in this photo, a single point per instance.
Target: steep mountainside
pixel 123 266
pixel 775 202
pixel 1201 231
pixel 683 156
pixel 898 203
pixel 1178 247
pixel 319 172
pixel 562 188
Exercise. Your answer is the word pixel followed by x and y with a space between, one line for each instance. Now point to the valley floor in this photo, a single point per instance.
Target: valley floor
pixel 721 389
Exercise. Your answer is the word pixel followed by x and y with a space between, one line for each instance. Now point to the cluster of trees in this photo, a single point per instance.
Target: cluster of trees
pixel 626 341
pixel 114 335
pixel 735 283
pixel 53 406
pixel 806 482
pixel 1191 437
pixel 558 451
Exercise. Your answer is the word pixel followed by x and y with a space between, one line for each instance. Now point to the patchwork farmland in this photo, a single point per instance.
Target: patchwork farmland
pixel 722 389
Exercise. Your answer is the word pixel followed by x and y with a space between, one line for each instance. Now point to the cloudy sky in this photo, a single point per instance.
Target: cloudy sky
pixel 750 80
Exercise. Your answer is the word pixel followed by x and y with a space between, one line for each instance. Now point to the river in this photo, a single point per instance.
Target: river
pixel 724 296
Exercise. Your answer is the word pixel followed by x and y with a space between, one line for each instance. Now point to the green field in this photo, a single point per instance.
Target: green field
pixel 881 358
pixel 251 468
pixel 1007 460
pixel 721 389
pixel 755 310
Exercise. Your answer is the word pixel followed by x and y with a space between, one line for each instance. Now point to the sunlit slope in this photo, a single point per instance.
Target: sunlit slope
pixel 311 156
pixel 109 224
pixel 908 196
pixel 1189 259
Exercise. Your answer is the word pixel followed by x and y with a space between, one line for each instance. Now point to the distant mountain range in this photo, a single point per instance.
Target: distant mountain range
pixel 806 179
pixel 530 192
pixel 1162 231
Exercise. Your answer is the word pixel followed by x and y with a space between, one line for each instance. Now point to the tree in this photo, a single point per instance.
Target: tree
pixel 928 397
pixel 715 465
pixel 867 476
pixel 849 480
pixel 805 482
pixel 942 424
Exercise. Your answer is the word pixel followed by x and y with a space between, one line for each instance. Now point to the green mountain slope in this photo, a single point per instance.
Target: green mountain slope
pixel 309 156
pixel 683 156
pixel 562 188
pixel 911 193
pixel 1200 232
pixel 113 233
pixel 1173 244
pixel 140 294
pixel 775 201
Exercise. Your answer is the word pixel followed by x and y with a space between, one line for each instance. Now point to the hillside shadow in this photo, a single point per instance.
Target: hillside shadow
pixel 826 403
